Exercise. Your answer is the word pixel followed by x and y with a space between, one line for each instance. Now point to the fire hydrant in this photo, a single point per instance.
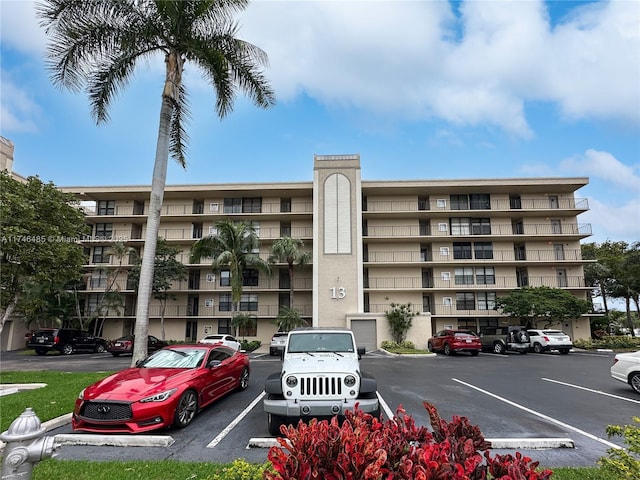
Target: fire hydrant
pixel 25 446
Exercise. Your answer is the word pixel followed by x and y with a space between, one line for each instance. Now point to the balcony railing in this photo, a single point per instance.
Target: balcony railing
pixel 542 203
pixel 263 233
pixel 492 230
pixel 205 209
pixel 418 283
pixel 183 310
pixel 412 256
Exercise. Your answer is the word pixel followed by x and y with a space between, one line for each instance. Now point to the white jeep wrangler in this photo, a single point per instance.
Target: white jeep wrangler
pixel 320 377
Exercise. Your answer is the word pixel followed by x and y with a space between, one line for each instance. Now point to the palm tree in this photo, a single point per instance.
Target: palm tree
pixel 97 44
pixel 232 247
pixel 289 250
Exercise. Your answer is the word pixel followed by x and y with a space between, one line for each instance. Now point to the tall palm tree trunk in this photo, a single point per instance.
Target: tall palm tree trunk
pixel 291 288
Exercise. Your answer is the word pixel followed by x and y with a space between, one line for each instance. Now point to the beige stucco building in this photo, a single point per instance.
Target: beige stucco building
pixel 447 247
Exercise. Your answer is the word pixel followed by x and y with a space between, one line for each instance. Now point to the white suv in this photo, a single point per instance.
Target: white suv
pixel 320 377
pixel 278 341
pixel 545 340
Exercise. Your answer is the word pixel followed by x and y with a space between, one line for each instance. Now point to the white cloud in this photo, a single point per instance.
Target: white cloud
pixel 604 166
pixel 18 111
pixel 416 60
pixel 19 27
pixel 613 222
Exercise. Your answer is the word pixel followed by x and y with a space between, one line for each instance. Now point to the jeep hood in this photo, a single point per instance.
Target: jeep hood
pixel 324 362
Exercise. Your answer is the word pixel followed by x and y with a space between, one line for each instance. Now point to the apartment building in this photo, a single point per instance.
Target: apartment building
pixel 447 247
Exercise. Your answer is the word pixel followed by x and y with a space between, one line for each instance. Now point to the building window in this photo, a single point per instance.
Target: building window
pixel 224 326
pixel 485 276
pixel 480 226
pixel 104 231
pixel 467 324
pixel 232 205
pixel 426 303
pixel 225 278
pixel 194 279
pixel 193 304
pixel 98 279
pixel 197 207
pixel 522 277
pixel 249 331
pixel 462 250
pixel 515 202
pixel 285 204
pixel 460 226
pixel 483 250
pixel 423 202
pixel 138 207
pixel 285 229
pixel 224 303
pixel 480 201
pixel 464 276
pixel 459 202
pixel 249 302
pixel 486 300
pixel 196 230
pixel 100 255
pixel 252 205
pixel 250 277
pixel 465 301
pixel 424 227
pixel 191 330
pixel 106 207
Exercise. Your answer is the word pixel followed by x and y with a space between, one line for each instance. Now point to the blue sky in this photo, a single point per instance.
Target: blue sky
pixel 420 89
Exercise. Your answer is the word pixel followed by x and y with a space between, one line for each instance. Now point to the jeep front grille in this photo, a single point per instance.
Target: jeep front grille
pixel 106 411
pixel 320 386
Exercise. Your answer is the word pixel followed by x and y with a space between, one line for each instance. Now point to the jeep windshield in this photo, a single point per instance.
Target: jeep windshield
pixel 320 342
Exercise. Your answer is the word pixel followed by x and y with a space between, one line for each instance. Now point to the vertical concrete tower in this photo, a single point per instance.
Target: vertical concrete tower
pixel 337 248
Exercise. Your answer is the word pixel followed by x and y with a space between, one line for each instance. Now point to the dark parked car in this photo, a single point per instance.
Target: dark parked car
pixel 453 341
pixel 124 345
pixel 500 339
pixel 66 341
pixel 168 388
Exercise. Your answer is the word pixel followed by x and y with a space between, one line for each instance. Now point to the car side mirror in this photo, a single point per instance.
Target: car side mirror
pixel 214 363
pixel 361 352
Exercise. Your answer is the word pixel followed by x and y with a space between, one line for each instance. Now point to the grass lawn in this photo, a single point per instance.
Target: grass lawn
pixel 58 398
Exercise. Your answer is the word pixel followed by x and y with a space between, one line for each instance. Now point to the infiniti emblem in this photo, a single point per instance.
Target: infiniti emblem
pixel 104 409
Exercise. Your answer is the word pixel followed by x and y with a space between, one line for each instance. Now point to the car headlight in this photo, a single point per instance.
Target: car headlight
pixel 291 381
pixel 159 397
pixel 81 394
pixel 349 380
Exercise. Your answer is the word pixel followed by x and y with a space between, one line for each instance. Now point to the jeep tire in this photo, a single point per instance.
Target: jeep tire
pixel 274 422
pixel 499 348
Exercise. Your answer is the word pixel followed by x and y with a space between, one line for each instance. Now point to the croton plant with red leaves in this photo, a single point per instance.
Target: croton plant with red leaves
pixel 361 447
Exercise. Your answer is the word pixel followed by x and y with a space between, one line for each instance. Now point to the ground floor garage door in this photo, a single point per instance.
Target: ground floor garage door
pixel 365 333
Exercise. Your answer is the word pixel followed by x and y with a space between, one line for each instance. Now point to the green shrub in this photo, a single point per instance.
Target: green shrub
pixel 240 470
pixel 624 464
pixel 389 345
pixel 250 346
pixel 611 342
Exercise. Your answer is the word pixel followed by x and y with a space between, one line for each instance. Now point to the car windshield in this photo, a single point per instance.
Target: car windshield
pixel 464 334
pixel 175 358
pixel 320 342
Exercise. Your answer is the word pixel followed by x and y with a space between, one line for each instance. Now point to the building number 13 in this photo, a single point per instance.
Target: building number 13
pixel 338 292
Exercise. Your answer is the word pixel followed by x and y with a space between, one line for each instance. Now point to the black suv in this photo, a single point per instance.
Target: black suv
pixel 66 341
pixel 501 339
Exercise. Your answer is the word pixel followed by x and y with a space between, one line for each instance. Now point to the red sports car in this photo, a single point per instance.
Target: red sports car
pixel 453 341
pixel 168 388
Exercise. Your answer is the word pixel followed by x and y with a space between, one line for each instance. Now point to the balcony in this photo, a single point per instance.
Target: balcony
pixel 173 310
pixel 446 256
pixel 208 208
pixel 502 204
pixel 500 283
pixel 442 230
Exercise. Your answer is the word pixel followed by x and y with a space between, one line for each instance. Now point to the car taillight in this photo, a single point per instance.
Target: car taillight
pixel 546 339
pixel 56 339
pixel 615 360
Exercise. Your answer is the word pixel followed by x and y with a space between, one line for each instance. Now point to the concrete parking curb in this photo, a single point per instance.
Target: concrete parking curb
pixel 496 443
pixel 71 439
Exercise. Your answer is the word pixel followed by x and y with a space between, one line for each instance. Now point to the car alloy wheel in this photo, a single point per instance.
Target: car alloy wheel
pixel 430 347
pixel 67 349
pixel 447 349
pixel 100 348
pixel 244 379
pixel 186 409
pixel 498 348
pixel 537 348
pixel 634 381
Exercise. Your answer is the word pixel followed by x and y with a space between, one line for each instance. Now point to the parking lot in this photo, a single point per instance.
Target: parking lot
pixel 508 396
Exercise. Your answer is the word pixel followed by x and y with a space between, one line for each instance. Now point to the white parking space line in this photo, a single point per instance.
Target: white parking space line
pixel 235 421
pixel 541 415
pixel 387 411
pixel 599 392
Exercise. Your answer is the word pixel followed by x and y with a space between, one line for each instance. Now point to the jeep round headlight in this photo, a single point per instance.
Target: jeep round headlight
pixel 291 381
pixel 349 380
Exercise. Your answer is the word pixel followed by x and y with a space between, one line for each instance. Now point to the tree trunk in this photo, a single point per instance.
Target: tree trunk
pixel 163 305
pixel 9 310
pixel 153 225
pixel 290 285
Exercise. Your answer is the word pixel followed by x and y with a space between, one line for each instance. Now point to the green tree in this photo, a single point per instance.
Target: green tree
pixel 288 319
pixel 166 270
pixel 533 304
pixel 243 322
pixel 400 318
pixel 601 273
pixel 290 251
pixel 97 44
pixel 41 227
pixel 232 247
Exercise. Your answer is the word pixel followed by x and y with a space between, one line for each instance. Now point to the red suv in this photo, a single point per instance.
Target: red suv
pixel 454 341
